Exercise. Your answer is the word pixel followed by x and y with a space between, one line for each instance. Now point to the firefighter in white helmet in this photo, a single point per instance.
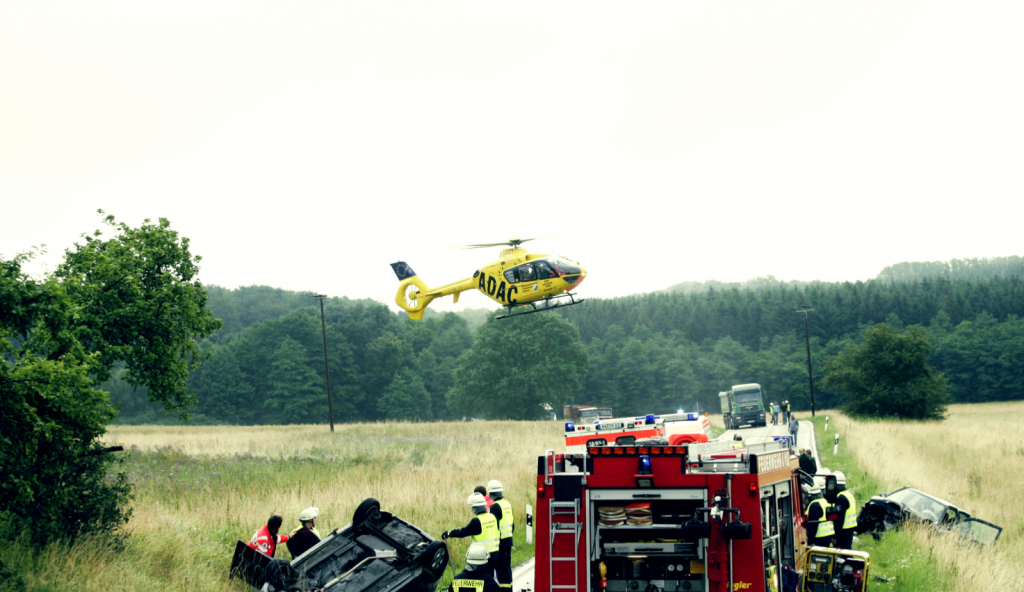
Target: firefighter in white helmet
pixel 483 528
pixel 307 536
pixel 846 521
pixel 819 528
pixel 476 577
pixel 502 511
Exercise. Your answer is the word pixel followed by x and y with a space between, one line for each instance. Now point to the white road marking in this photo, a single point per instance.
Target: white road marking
pixel 522 576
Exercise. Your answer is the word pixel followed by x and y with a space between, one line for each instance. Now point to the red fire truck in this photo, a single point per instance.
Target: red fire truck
pixel 706 517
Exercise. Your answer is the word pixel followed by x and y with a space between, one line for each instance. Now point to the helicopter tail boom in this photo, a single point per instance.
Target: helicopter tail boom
pixel 413 294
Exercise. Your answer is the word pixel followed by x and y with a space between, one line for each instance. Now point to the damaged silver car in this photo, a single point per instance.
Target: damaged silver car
pixel 888 511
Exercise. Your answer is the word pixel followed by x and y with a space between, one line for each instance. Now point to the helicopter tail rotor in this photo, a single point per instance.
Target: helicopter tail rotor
pixel 413 296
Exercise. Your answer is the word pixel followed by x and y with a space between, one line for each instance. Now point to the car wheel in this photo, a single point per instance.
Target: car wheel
pixel 434 559
pixel 369 509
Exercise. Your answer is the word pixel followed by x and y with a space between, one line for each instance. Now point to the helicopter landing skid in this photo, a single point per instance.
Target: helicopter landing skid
pixel 541 305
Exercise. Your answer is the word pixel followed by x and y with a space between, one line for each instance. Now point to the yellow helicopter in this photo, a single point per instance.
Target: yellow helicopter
pixel 518 280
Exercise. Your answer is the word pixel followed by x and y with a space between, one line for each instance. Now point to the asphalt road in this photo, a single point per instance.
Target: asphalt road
pixel 758 434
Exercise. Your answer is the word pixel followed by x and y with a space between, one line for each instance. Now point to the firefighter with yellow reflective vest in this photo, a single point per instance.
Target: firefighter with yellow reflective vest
pixel 846 521
pixel 502 511
pixel 483 528
pixel 476 577
pixel 819 528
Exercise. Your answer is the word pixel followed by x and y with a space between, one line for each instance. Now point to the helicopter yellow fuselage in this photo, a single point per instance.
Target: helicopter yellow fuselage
pixel 517 277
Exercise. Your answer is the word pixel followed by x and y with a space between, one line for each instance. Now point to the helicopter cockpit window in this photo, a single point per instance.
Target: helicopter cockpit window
pixel 510 275
pixel 544 270
pixel 526 273
pixel 565 267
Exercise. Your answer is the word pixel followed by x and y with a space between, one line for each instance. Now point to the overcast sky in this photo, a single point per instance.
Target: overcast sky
pixel 307 145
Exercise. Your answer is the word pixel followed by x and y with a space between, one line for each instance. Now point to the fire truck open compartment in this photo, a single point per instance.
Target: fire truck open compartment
pixel 647 518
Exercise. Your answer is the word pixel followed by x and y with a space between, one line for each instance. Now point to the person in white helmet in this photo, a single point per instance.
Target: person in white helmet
pixel 501 509
pixel 307 536
pixel 476 576
pixel 846 521
pixel 819 528
pixel 483 528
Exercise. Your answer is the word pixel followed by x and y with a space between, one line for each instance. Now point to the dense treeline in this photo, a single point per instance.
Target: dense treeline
pixel 382 367
pixel 248 305
pixel 965 269
pixel 649 351
pixel 840 309
pixel 656 351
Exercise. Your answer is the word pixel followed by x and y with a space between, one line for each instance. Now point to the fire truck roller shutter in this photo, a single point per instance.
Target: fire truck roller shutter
pixel 568 487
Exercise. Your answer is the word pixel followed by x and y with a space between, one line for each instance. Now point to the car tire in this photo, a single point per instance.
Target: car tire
pixel 369 509
pixel 434 559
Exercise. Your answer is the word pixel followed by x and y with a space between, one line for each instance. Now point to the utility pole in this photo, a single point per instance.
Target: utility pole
pixel 804 308
pixel 327 368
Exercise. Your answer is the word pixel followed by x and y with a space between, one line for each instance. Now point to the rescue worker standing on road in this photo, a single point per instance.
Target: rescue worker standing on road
pixel 308 536
pixel 266 539
pixel 846 522
pixel 483 528
pixel 819 528
pixel 502 511
pixel 476 576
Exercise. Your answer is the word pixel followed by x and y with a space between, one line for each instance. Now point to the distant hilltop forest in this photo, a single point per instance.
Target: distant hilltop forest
pixel 645 353
pixel 968 269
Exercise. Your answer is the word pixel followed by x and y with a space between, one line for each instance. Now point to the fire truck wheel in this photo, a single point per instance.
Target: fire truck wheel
pixel 434 559
pixel 368 509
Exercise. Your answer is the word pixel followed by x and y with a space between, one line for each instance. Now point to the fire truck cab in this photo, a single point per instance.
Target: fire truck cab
pixel 705 517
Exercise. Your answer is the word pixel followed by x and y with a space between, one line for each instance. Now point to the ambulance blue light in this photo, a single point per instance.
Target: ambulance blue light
pixel 681 411
pixel 645 465
pixel 569 427
pixel 692 416
pixel 649 419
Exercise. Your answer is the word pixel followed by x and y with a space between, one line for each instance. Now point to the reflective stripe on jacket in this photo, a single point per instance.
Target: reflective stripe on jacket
pixel 825 526
pixel 488 532
pixel 505 526
pixel 851 512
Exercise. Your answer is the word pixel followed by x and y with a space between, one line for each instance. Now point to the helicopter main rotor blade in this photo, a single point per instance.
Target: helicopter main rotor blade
pixel 514 242
pixel 467 247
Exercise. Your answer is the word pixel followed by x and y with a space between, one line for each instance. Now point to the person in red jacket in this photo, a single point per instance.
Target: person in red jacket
pixel 266 539
pixel 483 491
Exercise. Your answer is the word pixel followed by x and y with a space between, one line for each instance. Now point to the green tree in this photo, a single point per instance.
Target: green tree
pixel 296 394
pixel 516 366
pixel 888 375
pixel 132 299
pixel 405 398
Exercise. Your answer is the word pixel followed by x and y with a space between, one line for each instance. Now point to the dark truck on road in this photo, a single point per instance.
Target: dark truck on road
pixel 743 405
pixel 378 552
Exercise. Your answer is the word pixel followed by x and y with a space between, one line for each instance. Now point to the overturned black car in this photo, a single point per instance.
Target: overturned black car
pixel 888 511
pixel 378 551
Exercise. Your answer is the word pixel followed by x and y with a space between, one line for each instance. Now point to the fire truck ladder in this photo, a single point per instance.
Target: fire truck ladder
pixel 574 528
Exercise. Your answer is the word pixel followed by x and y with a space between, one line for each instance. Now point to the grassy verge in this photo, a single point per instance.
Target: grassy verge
pixel 899 557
